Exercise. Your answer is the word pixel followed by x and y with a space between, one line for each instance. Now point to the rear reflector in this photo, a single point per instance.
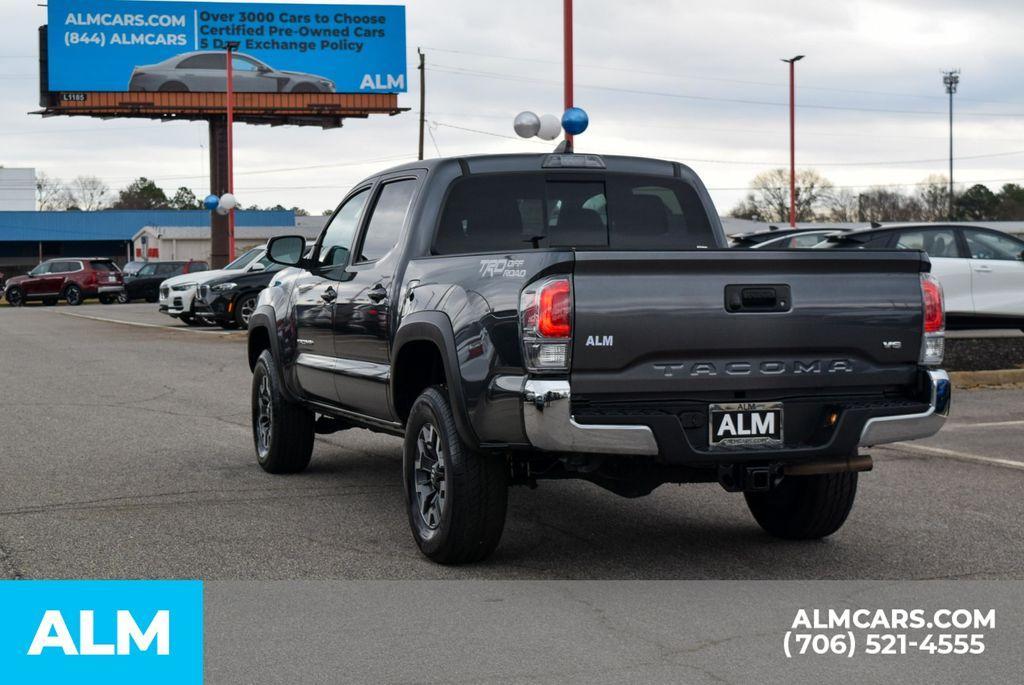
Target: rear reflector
pixel 933 345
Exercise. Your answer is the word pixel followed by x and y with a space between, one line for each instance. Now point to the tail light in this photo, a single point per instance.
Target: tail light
pixel 933 346
pixel 545 311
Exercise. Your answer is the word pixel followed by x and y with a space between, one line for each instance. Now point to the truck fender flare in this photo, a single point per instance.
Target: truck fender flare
pixel 264 319
pixel 436 327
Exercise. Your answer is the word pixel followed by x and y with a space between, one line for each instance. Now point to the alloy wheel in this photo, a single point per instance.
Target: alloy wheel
pixel 265 415
pixel 247 309
pixel 428 472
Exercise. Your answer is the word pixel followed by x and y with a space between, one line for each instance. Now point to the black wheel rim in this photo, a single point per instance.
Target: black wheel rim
pixel 122 298
pixel 264 415
pixel 428 475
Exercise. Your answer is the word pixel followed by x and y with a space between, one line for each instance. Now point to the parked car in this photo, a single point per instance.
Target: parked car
pixel 206 71
pixel 72 279
pixel 230 299
pixel 981 269
pixel 132 267
pixel 144 284
pixel 178 293
pixel 783 239
pixel 521 317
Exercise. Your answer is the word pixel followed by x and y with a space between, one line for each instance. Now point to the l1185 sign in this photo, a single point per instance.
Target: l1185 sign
pixel 125 45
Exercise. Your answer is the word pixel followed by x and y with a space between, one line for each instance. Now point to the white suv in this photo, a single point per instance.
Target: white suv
pixel 178 294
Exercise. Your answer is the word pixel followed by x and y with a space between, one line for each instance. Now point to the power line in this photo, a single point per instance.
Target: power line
pixel 707 98
pixel 755 163
pixel 694 77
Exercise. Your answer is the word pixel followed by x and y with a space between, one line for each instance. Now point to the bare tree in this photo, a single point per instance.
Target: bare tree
pixel 51 193
pixel 90 193
pixel 768 199
pixel 884 204
pixel 842 206
pixel 933 198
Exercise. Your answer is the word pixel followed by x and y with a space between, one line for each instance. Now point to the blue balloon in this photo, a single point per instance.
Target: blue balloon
pixel 211 202
pixel 575 121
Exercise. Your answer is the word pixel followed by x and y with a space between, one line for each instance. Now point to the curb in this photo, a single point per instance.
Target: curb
pixel 967 380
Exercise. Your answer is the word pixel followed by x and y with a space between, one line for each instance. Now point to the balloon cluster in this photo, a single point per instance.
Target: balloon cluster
pixel 222 205
pixel 548 126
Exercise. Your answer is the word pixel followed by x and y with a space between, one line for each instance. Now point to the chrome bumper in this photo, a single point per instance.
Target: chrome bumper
pixel 886 429
pixel 549 425
pixel 107 289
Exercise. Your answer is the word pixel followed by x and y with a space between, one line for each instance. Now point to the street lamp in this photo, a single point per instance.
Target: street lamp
pixel 231 46
pixel 792 140
pixel 951 79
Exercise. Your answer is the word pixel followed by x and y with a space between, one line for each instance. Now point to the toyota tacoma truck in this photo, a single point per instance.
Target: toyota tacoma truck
pixel 517 318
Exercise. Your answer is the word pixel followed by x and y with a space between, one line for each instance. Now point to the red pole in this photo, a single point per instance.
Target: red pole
pixel 792 145
pixel 567 30
pixel 231 154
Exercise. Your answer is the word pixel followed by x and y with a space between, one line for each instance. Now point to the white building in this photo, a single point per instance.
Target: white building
pixel 17 190
pixel 182 243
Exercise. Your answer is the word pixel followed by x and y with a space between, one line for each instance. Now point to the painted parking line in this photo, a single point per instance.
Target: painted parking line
pixel 954 454
pixel 988 424
pixel 140 324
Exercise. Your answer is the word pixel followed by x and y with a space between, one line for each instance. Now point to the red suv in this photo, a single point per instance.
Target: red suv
pixel 71 279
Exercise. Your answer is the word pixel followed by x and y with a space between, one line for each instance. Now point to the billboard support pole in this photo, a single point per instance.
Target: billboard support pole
pixel 423 95
pixel 230 92
pixel 219 231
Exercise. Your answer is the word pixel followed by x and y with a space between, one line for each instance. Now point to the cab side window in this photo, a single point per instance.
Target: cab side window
pixel 937 242
pixel 985 245
pixel 387 220
pixel 340 231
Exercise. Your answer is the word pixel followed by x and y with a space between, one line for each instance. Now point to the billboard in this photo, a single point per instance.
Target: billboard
pixel 143 46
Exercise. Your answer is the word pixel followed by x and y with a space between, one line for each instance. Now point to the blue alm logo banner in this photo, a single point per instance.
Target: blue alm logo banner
pixel 128 45
pixel 96 631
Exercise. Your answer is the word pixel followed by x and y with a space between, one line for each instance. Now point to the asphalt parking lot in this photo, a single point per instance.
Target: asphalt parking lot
pixel 126 452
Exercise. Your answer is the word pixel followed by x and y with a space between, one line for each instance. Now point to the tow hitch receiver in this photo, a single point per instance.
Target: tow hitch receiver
pixel 735 478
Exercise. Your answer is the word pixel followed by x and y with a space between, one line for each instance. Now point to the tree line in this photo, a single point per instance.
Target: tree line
pixel 90 194
pixel 817 199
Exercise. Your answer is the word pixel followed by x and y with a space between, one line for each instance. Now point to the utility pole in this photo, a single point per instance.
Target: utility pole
pixel 951 79
pixel 423 95
pixel 792 138
pixel 567 58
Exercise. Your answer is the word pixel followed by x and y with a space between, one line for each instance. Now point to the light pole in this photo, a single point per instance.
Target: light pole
pixel 951 79
pixel 792 139
pixel 230 96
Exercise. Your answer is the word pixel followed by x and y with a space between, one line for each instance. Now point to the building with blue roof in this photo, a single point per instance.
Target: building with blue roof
pixel 26 238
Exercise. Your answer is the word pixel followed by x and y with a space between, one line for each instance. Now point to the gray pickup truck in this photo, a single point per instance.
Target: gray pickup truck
pixel 526 317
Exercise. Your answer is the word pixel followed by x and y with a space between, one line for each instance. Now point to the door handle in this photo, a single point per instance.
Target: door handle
pixel 983 269
pixel 377 293
pixel 305 288
pixel 329 295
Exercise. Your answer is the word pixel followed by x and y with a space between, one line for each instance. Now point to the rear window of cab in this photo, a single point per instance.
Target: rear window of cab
pixel 516 212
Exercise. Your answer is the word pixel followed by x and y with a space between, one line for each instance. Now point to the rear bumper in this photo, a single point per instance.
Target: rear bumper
pixel 110 289
pixel 550 426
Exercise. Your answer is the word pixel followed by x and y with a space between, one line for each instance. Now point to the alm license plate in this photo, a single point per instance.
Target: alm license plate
pixel 745 424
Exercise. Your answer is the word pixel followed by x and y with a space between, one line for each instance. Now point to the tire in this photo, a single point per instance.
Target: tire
pixel 122 298
pixel 228 325
pixel 50 302
pixel 173 87
pixel 191 320
pixel 244 308
pixel 805 507
pixel 153 298
pixel 108 299
pixel 15 297
pixel 282 432
pixel 73 295
pixel 456 499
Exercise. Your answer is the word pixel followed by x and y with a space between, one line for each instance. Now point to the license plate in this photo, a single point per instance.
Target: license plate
pixel 745 424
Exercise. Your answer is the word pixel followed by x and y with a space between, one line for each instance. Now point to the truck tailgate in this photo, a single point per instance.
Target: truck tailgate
pixel 744 324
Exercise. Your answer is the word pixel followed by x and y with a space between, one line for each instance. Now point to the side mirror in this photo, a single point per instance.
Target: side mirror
pixel 286 250
pixel 263 69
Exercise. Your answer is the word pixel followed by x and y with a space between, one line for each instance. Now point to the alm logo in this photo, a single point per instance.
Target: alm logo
pixel 382 82
pixel 53 633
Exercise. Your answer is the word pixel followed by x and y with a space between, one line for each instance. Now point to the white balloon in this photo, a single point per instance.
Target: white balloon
pixel 550 127
pixel 527 124
pixel 227 202
pixel 223 211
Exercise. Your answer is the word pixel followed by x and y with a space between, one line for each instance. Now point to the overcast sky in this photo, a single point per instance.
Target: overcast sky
pixel 699 82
